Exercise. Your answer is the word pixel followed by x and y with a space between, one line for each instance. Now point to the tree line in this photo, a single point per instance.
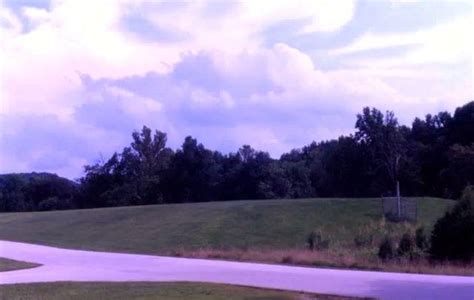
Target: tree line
pixel 432 157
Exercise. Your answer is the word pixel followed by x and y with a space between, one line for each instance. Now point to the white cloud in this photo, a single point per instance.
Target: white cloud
pixel 35 15
pixel 445 43
pixel 39 67
pixel 435 68
pixel 324 15
pixel 272 97
pixel 202 99
pixel 133 104
pixel 332 15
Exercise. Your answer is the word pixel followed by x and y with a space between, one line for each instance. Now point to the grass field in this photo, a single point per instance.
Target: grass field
pixel 11 265
pixel 146 291
pixel 231 230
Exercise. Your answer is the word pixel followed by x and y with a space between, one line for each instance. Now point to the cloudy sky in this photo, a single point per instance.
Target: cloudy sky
pixel 77 77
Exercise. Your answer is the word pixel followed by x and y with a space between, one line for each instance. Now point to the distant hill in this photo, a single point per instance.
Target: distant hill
pixel 35 191
pixel 34 176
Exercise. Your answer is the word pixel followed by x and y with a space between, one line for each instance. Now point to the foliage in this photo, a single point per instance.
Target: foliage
pixel 433 157
pixel 316 241
pixel 386 249
pixel 406 245
pixel 460 169
pixel 421 240
pixel 383 139
pixel 453 234
pixel 363 240
pixel 36 191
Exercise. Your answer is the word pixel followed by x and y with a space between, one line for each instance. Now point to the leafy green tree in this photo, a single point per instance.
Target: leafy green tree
pixel 130 178
pixel 152 158
pixel 461 129
pixel 434 158
pixel 431 138
pixel 31 191
pixel 195 173
pixel 382 137
pixel 460 169
pixel 453 235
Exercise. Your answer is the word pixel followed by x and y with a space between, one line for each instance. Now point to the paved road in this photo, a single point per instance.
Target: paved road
pixel 75 265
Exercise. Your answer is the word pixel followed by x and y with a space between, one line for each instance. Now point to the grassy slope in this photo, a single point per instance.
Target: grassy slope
pixel 11 265
pixel 161 229
pixel 156 291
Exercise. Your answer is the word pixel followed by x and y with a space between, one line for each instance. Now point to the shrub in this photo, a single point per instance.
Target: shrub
pixel 453 234
pixel 363 240
pixel 405 246
pixel 316 242
pixel 421 240
pixel 287 259
pixel 386 249
pixel 54 203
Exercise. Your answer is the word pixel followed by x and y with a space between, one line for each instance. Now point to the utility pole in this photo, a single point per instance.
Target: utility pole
pixel 398 200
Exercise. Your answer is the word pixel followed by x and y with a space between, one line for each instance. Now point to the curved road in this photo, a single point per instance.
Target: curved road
pixel 75 265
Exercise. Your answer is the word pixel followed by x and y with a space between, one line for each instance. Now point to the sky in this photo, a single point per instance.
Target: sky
pixel 78 77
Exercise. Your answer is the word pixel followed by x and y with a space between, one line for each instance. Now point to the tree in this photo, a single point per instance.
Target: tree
pixel 297 176
pixel 384 141
pixel 130 178
pixel 31 191
pixel 434 158
pixel 460 169
pixel 453 235
pixel 461 129
pixel 253 174
pixel 194 174
pixel 273 182
pixel 431 137
pixel 153 158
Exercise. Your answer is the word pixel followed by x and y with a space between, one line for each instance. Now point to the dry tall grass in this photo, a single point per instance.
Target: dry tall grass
pixel 342 253
pixel 345 258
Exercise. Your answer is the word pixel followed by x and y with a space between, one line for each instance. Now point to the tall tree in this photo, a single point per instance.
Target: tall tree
pixel 194 173
pixel 384 141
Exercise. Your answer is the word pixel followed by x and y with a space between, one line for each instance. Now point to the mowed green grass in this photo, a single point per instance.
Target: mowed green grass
pixel 145 291
pixel 11 265
pixel 162 229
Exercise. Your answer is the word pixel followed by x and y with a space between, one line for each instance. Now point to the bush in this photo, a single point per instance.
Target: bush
pixel 363 240
pixel 453 234
pixel 405 246
pixel 288 259
pixel 54 203
pixel 386 249
pixel 421 240
pixel 316 242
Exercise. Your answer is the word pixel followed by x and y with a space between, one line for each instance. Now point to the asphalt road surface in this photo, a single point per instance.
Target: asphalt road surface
pixel 76 265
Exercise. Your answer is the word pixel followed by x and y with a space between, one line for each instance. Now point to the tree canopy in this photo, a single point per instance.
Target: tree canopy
pixel 432 157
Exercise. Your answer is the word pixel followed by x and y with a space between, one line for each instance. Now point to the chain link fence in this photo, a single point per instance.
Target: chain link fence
pixel 406 211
